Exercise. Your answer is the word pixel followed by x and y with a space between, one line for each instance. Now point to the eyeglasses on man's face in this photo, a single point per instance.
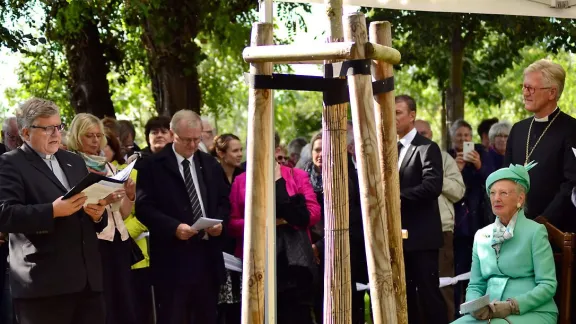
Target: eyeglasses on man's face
pixel 49 130
pixel 188 140
pixel 532 90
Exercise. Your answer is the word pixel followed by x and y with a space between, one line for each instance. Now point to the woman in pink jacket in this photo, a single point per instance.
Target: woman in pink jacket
pixel 296 211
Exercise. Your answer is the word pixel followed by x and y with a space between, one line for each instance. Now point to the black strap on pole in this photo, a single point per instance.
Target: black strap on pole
pixel 347 68
pixel 335 90
pixel 333 86
pixel 383 86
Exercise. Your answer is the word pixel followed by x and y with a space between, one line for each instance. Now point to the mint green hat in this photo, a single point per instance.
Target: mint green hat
pixel 517 173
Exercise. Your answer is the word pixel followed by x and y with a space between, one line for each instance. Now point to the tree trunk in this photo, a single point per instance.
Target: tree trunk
pixel 169 33
pixel 173 89
pixel 90 92
pixel 456 92
pixel 445 139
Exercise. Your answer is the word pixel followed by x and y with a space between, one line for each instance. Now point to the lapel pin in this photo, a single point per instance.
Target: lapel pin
pixel 68 164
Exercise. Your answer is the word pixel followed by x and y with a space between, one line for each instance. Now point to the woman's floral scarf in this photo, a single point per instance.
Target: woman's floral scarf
pixel 94 162
pixel 315 176
pixel 501 233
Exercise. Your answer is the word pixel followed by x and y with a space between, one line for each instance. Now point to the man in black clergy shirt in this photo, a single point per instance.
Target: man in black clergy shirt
pixel 547 138
pixel 55 267
pixel 421 178
pixel 176 187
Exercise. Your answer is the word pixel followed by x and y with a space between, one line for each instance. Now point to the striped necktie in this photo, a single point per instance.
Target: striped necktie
pixel 192 194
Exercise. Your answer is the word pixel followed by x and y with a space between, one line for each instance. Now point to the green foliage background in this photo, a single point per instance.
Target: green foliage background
pixel 43 71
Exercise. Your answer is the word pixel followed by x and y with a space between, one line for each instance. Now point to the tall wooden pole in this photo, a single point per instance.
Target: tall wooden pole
pixel 371 189
pixel 385 113
pixel 337 285
pixel 259 176
pixel 266 12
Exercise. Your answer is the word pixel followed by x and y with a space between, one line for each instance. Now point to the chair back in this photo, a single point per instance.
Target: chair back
pixel 563 245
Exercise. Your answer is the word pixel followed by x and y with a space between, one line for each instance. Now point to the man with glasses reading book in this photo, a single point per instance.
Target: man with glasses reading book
pixel 55 269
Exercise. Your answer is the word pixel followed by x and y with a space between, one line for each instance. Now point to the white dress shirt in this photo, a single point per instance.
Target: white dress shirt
pixel 180 158
pixel 406 141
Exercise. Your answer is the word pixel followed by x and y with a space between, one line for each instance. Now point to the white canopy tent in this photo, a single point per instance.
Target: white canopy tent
pixel 542 8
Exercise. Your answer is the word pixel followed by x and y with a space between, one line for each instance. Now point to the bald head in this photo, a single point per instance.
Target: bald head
pixel 207 132
pixel 423 128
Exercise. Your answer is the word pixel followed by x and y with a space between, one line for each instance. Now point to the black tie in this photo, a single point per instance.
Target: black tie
pixel 400 146
pixel 194 201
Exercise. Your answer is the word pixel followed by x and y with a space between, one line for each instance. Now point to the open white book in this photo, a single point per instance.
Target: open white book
pixel 96 186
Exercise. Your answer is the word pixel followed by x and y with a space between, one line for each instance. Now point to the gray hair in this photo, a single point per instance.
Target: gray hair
pixel 189 117
pixel 457 124
pixel 33 109
pixel 296 145
pixel 520 188
pixel 552 73
pixel 7 121
pixel 501 128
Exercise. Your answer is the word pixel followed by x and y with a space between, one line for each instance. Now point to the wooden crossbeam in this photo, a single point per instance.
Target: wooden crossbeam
pixel 297 54
pixel 382 53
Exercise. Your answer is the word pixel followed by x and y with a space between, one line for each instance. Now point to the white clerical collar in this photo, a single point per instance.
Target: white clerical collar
pixel 408 138
pixel 180 158
pixel 47 157
pixel 544 119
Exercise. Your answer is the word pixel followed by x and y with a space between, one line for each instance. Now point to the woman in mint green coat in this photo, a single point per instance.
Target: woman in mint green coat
pixel 512 260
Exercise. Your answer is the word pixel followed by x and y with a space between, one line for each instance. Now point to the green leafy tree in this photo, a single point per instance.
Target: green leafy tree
pixel 465 53
pixel 83 33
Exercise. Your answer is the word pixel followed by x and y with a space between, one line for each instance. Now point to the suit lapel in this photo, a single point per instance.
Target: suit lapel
pixel 37 162
pixel 171 163
pixel 201 179
pixel 73 175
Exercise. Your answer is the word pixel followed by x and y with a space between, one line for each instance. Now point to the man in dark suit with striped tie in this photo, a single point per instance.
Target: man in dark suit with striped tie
pixel 176 187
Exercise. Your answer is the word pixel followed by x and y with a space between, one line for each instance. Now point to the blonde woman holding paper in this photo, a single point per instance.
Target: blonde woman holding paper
pixel 512 261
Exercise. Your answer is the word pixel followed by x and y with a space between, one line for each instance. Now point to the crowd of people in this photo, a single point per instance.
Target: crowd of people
pixel 135 256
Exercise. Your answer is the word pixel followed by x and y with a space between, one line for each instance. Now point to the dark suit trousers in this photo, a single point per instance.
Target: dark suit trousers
pixel 188 303
pixel 85 307
pixel 425 302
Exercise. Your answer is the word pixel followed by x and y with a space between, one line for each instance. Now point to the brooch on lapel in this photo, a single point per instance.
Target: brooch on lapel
pixel 68 164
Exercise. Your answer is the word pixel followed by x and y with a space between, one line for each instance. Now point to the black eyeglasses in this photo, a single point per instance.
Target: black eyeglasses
pixel 50 130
